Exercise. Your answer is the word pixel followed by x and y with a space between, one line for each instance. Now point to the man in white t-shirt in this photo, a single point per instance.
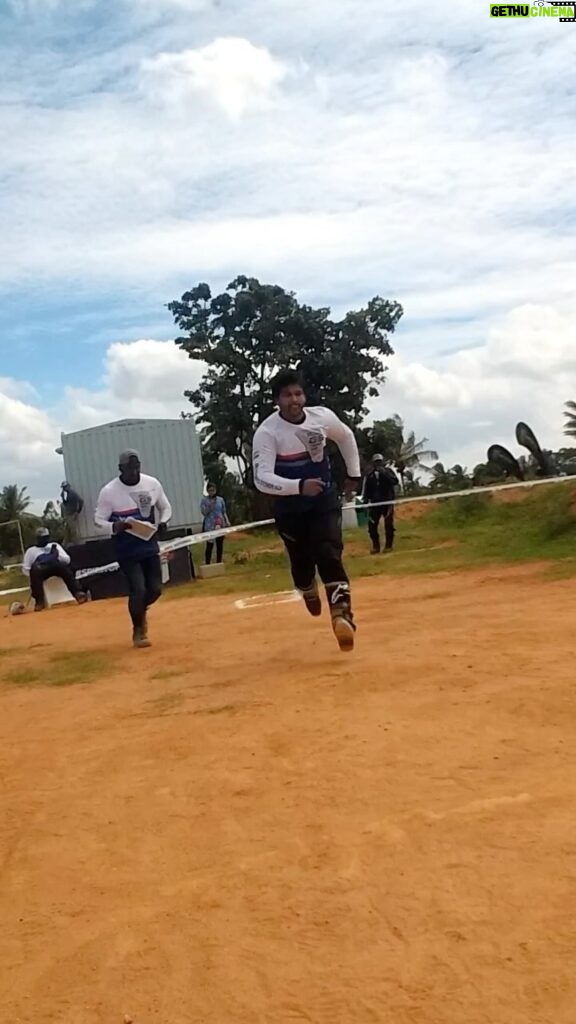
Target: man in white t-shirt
pixel 45 559
pixel 134 496
pixel 291 463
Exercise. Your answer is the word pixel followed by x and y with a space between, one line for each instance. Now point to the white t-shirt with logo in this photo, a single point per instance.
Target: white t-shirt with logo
pixel 145 500
pixel 286 453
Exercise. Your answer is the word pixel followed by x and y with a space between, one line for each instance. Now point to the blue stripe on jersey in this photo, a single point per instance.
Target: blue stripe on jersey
pixel 303 469
pixel 129 547
pixel 132 513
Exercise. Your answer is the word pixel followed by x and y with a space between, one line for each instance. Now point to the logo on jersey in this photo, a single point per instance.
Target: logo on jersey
pixel 144 502
pixel 314 442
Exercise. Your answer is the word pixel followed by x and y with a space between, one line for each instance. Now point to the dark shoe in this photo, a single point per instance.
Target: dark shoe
pixel 344 629
pixel 312 600
pixel 81 598
pixel 39 607
pixel 374 551
pixel 139 639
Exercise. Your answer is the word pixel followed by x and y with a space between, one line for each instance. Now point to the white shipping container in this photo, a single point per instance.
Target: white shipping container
pixel 169 450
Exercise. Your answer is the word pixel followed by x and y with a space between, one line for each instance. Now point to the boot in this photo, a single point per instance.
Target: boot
pixel 312 600
pixel 343 624
pixel 139 638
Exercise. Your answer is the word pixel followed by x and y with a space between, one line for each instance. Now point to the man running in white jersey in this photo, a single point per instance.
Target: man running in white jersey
pixel 291 463
pixel 132 495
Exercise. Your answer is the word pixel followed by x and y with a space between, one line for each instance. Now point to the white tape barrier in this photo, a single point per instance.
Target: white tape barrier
pixel 202 538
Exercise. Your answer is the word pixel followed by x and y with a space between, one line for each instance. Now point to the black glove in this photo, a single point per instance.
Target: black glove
pixel 162 531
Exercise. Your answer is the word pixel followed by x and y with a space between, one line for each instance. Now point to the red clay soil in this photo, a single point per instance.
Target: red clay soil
pixel 242 826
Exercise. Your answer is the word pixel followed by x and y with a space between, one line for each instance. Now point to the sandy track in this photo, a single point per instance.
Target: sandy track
pixel 242 826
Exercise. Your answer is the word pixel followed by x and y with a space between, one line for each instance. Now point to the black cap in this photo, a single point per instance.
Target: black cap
pixel 126 455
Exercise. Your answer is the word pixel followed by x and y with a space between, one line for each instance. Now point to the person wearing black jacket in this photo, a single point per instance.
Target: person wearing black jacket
pixel 379 491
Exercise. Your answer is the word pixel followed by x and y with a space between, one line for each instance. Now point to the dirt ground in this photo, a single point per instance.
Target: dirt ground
pixel 243 826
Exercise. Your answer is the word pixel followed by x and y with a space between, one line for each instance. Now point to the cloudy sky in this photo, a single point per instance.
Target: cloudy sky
pixel 426 153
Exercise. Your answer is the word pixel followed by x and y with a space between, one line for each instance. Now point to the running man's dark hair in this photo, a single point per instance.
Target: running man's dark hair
pixel 286 379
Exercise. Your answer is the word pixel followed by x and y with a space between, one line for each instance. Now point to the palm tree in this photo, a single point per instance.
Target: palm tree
pixel 14 503
pixel 388 437
pixel 570 426
pixel 440 477
pixel 413 454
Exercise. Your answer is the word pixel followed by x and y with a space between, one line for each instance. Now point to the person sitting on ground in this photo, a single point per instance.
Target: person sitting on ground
pixel 44 560
pixel 215 517
pixel 380 488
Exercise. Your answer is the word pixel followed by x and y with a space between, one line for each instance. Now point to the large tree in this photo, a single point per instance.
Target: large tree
pixel 247 333
pixel 570 415
pixel 384 437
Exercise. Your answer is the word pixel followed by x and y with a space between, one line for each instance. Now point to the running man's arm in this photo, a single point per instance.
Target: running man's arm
pixel 344 437
pixel 163 505
pixel 103 512
pixel 264 464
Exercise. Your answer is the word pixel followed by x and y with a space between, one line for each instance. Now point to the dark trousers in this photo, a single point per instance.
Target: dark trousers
pixel 374 517
pixel 312 535
pixel 210 549
pixel 39 573
pixel 144 586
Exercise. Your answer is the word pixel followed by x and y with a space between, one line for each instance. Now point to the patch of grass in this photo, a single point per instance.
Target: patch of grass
pixel 451 534
pixel 565 570
pixel 10 581
pixel 65 669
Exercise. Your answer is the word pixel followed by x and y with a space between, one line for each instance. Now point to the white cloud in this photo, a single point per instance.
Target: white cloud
pixel 234 73
pixel 141 378
pixel 27 440
pixel 525 370
pixel 37 7
pixel 342 150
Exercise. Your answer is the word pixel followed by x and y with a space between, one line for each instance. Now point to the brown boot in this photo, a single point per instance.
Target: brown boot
pixel 139 639
pixel 344 628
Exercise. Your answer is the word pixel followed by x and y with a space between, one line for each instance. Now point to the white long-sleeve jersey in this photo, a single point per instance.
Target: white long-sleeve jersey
pixel 285 454
pixel 145 500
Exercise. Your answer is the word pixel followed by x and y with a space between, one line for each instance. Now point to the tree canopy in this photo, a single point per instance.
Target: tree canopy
pixel 250 331
pixel 390 438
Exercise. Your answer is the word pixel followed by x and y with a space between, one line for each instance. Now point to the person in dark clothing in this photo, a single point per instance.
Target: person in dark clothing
pixel 135 510
pixel 44 560
pixel 380 486
pixel 71 502
pixel 291 463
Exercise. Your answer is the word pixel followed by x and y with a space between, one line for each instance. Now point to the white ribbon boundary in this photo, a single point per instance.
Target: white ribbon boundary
pixel 167 547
